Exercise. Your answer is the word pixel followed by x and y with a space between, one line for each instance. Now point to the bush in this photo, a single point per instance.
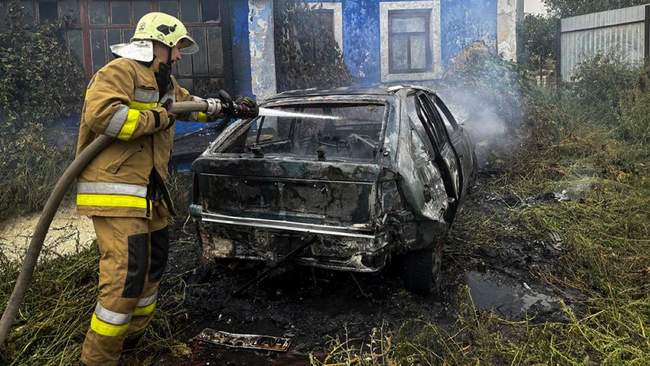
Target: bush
pixel 635 111
pixel 30 167
pixel 601 83
pixel 40 82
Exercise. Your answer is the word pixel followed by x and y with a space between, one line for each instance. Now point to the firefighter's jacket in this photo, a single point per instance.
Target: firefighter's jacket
pixel 122 101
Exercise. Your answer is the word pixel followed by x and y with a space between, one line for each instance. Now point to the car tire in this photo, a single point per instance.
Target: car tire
pixel 421 270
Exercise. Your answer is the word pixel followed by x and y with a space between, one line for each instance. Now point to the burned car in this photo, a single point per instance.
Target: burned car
pixel 343 179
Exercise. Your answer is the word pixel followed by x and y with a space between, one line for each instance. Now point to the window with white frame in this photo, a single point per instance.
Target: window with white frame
pixel 410 40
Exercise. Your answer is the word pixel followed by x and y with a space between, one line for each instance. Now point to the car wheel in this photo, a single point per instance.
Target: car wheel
pixel 421 269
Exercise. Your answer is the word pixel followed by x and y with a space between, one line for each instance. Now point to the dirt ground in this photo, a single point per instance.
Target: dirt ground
pixel 69 233
pixel 311 306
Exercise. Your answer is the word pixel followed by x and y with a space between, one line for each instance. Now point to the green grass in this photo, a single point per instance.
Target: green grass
pixel 605 234
pixel 52 323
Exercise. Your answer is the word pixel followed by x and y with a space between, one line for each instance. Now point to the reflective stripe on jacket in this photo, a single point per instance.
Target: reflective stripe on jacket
pixel 122 101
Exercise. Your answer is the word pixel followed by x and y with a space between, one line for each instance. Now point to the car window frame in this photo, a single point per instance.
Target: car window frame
pixel 445 111
pixel 385 101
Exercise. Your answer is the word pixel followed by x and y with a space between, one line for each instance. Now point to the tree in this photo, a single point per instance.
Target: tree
pixel 40 82
pixel 569 8
pixel 539 40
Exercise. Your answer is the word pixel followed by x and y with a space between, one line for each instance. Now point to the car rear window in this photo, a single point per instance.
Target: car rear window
pixel 324 131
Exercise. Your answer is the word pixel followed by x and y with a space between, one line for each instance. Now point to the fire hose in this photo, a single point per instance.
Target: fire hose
pixel 69 175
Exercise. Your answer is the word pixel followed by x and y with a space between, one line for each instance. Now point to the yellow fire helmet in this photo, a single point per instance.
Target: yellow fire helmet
pixel 160 27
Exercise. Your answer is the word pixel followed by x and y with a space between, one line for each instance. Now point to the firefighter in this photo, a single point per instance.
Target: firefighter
pixel 123 188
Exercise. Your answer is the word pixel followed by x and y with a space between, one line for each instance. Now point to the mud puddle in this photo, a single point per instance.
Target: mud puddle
pixel 507 297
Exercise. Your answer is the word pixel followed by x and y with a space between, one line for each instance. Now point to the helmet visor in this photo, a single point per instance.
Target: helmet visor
pixel 187 46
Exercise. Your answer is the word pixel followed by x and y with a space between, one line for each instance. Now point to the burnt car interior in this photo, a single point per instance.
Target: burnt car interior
pixel 326 132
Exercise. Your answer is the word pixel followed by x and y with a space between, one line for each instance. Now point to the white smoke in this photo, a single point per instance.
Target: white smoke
pixel 493 136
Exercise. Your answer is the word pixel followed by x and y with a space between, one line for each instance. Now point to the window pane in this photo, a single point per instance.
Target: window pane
pixel 48 11
pixel 114 36
pixel 140 8
pixel 70 10
pixel 120 12
pixel 98 49
pixel 418 52
pixel 199 59
pixel 190 11
pixel 185 66
pixel 127 33
pixel 169 7
pixel 215 50
pixel 210 10
pixel 399 53
pixel 98 12
pixel 410 24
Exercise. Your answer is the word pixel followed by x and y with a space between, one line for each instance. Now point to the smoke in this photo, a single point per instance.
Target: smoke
pixel 492 134
pixel 481 121
pixel 485 94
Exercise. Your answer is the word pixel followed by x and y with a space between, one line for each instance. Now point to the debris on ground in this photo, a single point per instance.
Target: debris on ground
pixel 246 341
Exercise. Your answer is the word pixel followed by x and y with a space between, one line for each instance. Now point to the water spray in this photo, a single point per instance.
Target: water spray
pixel 269 112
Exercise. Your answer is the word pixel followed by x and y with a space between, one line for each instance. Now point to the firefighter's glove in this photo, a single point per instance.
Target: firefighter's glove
pixel 171 118
pixel 245 108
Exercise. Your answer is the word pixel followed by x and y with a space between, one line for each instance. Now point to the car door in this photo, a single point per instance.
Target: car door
pixel 459 139
pixel 445 154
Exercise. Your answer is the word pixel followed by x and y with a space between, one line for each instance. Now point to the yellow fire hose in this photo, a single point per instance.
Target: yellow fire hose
pixel 36 244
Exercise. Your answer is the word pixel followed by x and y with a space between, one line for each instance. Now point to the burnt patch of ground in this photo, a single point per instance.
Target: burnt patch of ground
pixel 313 307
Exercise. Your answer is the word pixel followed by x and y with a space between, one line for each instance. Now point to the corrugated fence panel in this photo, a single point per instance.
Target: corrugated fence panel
pixel 620 31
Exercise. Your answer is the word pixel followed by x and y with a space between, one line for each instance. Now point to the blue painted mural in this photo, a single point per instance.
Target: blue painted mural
pixel 361 40
pixel 463 22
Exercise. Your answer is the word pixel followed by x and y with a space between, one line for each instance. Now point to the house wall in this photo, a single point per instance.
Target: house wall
pixel 466 21
pixel 241 56
pixel 457 23
pixel 461 22
pixel 262 48
pixel 361 40
pixel 509 12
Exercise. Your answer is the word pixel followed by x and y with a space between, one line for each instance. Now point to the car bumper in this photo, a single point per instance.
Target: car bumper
pixel 334 247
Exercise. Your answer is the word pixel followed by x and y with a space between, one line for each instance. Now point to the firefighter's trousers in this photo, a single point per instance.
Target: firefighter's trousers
pixel 133 256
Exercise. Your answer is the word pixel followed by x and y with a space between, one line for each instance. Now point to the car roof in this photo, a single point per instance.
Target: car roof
pixel 345 91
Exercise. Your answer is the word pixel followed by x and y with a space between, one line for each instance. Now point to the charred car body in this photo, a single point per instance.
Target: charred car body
pixel 362 175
